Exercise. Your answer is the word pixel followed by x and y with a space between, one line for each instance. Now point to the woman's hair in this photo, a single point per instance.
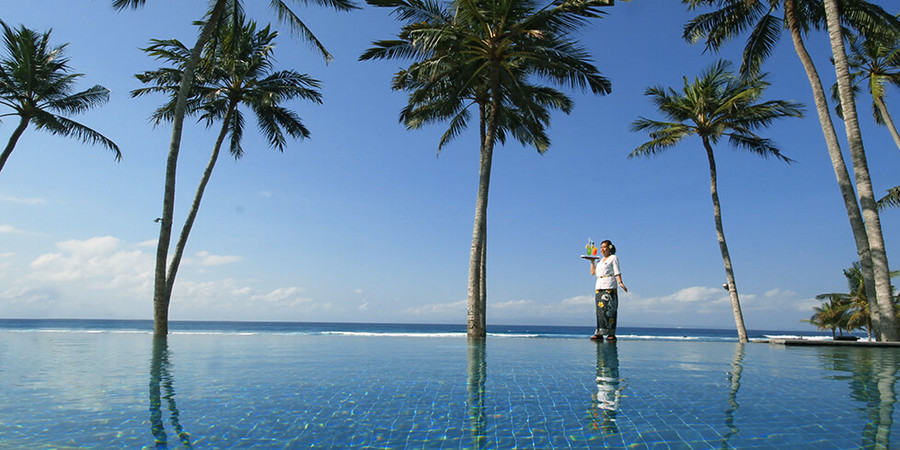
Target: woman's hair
pixel 612 248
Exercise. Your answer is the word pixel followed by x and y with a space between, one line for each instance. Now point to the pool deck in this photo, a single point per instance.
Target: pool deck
pixel 809 342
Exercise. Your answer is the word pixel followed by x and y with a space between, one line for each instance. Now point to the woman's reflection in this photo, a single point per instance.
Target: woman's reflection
pixel 477 377
pixel 162 388
pixel 605 403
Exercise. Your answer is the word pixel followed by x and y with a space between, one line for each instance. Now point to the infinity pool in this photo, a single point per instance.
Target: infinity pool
pixel 268 391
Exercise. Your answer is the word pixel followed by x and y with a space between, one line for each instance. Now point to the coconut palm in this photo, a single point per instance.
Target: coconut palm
pixel 487 56
pixel 235 72
pixel 36 84
pixel 733 17
pixel 855 313
pixel 831 314
pixel 714 105
pixel 875 62
pixel 860 316
pixel 217 10
pixel 885 321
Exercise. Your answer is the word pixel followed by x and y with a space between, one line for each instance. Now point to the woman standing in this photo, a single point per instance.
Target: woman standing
pixel 606 297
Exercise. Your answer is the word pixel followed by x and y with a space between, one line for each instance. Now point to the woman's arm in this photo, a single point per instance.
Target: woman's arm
pixel 619 280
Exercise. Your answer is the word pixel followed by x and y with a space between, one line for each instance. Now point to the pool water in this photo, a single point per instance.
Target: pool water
pixel 269 391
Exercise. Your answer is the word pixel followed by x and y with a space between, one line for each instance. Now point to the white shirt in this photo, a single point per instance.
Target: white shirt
pixel 606 271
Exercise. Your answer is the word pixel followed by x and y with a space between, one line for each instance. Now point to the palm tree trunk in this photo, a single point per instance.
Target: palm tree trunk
pixel 198 196
pixel 23 123
pixel 885 322
pixel 477 301
pixel 834 151
pixel 161 293
pixel 879 103
pixel 476 310
pixel 483 274
pixel 723 247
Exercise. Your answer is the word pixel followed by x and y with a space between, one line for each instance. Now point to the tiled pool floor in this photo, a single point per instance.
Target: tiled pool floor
pixel 114 390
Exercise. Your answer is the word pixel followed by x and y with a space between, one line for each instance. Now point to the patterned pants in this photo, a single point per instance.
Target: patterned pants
pixel 607 303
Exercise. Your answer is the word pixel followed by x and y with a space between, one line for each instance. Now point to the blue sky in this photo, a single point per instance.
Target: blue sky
pixel 364 222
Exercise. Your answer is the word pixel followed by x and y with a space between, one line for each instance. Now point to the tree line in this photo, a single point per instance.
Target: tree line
pixel 503 64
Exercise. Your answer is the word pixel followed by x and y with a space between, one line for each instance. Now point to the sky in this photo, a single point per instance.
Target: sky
pixel 366 222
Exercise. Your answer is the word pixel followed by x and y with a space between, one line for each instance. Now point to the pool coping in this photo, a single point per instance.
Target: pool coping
pixel 808 342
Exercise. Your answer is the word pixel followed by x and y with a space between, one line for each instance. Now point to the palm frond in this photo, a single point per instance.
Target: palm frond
pixel 891 200
pixel 80 101
pixel 760 44
pixel 63 126
pixel 133 4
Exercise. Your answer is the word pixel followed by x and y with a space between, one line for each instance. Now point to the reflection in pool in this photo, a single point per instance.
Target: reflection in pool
pixel 209 390
pixel 162 388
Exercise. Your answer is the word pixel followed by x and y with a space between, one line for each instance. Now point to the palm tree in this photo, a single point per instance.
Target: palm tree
pixel 855 314
pixel 885 321
pixel 733 17
pixel 876 62
pixel 715 105
pixel 236 71
pixel 36 84
pixel 487 56
pixel 832 314
pixel 859 313
pixel 218 9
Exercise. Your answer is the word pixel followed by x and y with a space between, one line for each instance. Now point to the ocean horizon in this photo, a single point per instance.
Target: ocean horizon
pixel 180 327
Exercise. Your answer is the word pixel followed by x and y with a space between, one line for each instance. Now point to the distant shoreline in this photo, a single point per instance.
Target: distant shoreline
pixel 393 329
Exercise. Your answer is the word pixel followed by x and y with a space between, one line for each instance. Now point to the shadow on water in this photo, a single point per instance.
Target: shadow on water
pixel 605 403
pixel 477 375
pixel 162 389
pixel 873 377
pixel 734 378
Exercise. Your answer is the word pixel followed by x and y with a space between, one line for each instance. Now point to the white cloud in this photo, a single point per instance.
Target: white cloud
pixel 514 305
pixel 101 277
pixel 98 261
pixel 104 277
pixel 806 305
pixel 438 309
pixel 580 300
pixel 695 294
pixel 208 259
pixel 24 201
pixel 773 293
pixel 21 295
pixel 697 298
pixel 287 296
pixel 9 229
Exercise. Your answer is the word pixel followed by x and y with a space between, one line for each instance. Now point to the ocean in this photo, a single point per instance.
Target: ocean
pixel 391 329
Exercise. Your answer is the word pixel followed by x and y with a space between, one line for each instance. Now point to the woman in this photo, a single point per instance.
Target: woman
pixel 606 297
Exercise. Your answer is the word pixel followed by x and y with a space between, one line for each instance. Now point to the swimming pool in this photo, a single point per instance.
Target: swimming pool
pixel 69 389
